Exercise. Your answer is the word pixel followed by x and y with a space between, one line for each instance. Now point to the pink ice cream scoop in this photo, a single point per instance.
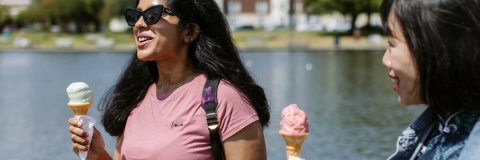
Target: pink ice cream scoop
pixel 294 121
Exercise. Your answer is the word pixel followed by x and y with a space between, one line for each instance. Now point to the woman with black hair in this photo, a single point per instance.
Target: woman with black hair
pixel 434 59
pixel 157 107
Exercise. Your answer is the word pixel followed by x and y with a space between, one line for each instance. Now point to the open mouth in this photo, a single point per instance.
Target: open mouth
pixel 143 39
pixel 395 81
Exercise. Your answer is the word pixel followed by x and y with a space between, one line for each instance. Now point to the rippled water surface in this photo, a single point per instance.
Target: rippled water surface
pixel 352 110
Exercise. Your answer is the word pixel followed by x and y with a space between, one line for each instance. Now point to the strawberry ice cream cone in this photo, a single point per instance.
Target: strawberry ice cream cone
pixel 294 129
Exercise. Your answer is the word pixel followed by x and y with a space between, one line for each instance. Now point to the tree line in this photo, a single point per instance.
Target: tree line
pixel 345 7
pixel 82 13
pixel 98 13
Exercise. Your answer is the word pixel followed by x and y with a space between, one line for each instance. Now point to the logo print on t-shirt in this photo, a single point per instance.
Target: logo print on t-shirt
pixel 176 125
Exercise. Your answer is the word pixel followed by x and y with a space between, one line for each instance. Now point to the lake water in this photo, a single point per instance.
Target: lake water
pixel 352 110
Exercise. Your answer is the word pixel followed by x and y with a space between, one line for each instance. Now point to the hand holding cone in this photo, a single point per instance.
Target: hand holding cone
pixel 80 100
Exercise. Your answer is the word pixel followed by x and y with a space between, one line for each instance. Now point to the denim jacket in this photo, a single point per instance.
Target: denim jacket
pixel 430 137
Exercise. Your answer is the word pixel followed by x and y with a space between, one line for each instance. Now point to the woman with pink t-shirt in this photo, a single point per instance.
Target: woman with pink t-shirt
pixel 155 108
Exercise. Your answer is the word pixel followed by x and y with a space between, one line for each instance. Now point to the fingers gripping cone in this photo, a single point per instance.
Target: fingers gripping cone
pixel 80 100
pixel 294 143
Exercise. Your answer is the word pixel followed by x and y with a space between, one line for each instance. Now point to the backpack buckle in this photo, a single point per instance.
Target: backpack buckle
pixel 212 121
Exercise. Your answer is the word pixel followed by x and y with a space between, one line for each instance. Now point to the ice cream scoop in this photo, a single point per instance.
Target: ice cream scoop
pixel 79 92
pixel 294 121
pixel 80 98
pixel 294 129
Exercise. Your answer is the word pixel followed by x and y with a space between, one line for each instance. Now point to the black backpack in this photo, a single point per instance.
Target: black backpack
pixel 209 104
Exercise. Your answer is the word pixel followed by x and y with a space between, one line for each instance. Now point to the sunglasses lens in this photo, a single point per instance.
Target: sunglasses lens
pixel 152 16
pixel 131 17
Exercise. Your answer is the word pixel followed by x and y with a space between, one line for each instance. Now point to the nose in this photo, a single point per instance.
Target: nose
pixel 140 23
pixel 386 59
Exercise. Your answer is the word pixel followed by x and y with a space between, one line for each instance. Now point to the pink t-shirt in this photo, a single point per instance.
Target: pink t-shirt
pixel 173 125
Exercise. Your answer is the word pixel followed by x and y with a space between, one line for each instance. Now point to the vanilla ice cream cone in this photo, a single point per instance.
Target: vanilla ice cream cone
pixel 80 100
pixel 294 143
pixel 80 108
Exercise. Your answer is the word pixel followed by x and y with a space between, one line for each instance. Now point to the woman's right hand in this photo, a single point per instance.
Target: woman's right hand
pixel 80 142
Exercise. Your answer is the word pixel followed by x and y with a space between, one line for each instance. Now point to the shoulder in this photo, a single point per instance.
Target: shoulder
pixel 227 92
pixel 234 111
pixel 232 101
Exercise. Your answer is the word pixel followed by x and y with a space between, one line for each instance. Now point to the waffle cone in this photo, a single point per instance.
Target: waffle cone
pixel 80 108
pixel 294 143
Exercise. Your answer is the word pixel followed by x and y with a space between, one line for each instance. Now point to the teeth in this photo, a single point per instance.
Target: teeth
pixel 142 39
pixel 395 80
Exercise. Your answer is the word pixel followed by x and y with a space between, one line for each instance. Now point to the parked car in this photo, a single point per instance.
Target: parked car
pixel 244 27
pixel 308 27
pixel 276 27
pixel 338 26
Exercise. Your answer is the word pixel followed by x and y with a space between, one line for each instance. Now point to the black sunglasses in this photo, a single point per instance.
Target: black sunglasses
pixel 150 15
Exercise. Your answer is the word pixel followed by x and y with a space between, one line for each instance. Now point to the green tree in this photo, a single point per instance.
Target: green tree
pixel 346 7
pixel 114 8
pixel 82 12
pixel 52 11
pixel 4 14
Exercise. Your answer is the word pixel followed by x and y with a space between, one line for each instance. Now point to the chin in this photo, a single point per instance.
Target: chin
pixel 143 55
pixel 402 101
pixel 406 103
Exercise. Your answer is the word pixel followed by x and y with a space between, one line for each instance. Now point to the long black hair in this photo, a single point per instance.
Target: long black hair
pixel 213 53
pixel 444 38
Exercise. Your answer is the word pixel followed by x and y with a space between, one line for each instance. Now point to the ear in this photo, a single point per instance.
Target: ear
pixel 191 32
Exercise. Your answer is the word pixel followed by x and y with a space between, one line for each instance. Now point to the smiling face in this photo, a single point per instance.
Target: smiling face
pixel 401 63
pixel 156 41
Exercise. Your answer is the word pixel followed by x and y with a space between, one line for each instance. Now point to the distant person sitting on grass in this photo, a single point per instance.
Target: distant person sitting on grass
pixel 21 41
pixel 434 59
pixel 158 107
pixel 6 31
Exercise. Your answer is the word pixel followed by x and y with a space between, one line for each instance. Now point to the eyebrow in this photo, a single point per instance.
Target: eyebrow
pixel 139 9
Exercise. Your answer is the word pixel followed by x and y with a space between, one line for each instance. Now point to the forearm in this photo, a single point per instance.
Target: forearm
pixel 248 143
pixel 103 156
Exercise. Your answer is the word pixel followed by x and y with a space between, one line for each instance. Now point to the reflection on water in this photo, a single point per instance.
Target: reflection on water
pixel 352 110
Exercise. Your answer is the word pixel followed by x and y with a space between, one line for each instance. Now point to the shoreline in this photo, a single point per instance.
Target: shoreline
pixel 246 41
pixel 247 50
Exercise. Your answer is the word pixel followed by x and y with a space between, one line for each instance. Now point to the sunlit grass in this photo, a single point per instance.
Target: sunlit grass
pixel 278 39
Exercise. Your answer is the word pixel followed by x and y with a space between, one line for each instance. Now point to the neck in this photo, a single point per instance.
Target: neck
pixel 174 72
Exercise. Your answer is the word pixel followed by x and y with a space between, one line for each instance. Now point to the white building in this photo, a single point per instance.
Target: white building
pixel 16 5
pixel 263 13
pixel 271 14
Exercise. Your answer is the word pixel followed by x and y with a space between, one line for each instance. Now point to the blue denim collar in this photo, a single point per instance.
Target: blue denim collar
pixel 425 119
pixel 472 146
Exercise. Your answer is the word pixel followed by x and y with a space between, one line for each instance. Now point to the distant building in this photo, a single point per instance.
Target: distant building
pixel 16 6
pixel 261 13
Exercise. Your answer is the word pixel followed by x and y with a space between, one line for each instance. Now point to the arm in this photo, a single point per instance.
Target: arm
pixel 104 155
pixel 118 147
pixel 248 143
pixel 116 154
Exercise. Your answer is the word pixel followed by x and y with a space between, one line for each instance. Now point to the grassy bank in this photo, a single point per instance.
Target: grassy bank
pixel 244 39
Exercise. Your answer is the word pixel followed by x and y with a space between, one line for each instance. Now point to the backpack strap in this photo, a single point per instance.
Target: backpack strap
pixel 209 104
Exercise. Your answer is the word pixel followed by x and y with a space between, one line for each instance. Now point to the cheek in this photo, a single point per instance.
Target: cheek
pixel 167 36
pixel 402 61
